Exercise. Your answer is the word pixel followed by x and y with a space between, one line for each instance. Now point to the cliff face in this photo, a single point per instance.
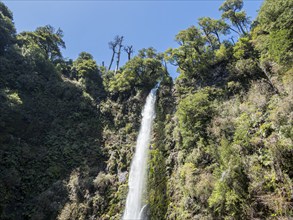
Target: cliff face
pixel 220 155
pixel 225 149
pixel 222 137
pixel 68 130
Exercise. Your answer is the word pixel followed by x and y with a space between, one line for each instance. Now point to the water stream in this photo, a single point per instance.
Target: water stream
pixel 137 175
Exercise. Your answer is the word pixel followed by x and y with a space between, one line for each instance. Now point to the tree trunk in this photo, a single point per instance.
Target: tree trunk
pixel 209 39
pixel 242 30
pixel 129 51
pixel 119 53
pixel 268 78
pixel 218 37
pixel 112 59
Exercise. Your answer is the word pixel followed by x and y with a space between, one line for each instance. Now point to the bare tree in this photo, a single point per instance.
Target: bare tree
pixel 129 50
pixel 112 45
pixel 119 44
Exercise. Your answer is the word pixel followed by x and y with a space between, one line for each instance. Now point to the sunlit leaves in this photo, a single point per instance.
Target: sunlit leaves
pixel 213 29
pixel 141 71
pixel 273 33
pixel 232 10
pixel 45 39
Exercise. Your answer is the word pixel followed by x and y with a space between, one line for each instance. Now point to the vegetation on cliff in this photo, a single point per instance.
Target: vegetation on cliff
pixel 222 138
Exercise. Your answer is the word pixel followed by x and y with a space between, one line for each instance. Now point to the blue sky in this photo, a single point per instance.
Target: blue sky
pixel 90 25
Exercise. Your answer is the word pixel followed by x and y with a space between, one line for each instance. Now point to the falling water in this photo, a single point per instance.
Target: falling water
pixel 137 180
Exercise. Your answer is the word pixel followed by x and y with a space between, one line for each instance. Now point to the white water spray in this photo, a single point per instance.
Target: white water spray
pixel 138 169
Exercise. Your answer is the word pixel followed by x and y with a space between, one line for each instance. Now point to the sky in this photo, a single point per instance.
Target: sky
pixel 90 25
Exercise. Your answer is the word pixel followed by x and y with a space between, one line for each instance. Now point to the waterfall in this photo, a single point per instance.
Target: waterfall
pixel 138 169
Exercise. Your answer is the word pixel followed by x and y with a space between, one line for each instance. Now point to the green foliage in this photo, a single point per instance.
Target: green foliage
pixel 275 15
pixel 194 112
pixel 49 128
pixel 223 53
pixel 213 29
pixel 245 67
pixel 7 29
pixel 157 185
pixel 273 33
pixel 187 179
pixel 139 72
pixel 43 40
pixel 232 11
pixel 87 72
pixel 85 66
pixel 245 70
pixel 148 53
pixel 222 137
pixel 280 47
pixel 229 197
pixel 243 49
pixel 193 56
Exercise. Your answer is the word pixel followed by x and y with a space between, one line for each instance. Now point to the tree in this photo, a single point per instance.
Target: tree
pixel 112 46
pixel 88 73
pixel 193 56
pixel 139 72
pixel 44 39
pixel 272 34
pixel 129 50
pixel 148 53
pixel 7 29
pixel 120 41
pixel 212 27
pixel 117 42
pixel 192 38
pixel 194 112
pixel 51 41
pixel 276 15
pixel 85 66
pixel 232 11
